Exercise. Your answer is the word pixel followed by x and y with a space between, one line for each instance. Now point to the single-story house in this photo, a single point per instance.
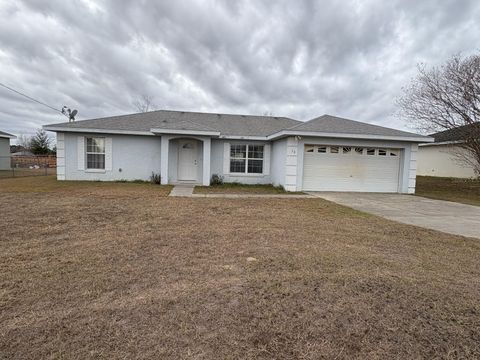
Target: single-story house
pixel 327 153
pixel 5 150
pixel 441 157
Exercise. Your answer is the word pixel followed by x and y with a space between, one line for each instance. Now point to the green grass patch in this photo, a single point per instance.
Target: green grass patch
pixel 466 191
pixel 41 184
pixel 237 188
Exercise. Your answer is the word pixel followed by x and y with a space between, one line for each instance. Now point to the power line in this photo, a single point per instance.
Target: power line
pixel 30 98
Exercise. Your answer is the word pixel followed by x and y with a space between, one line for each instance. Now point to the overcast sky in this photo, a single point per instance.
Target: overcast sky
pixel 296 58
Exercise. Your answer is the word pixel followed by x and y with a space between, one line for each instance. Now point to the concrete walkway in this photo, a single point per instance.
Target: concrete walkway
pixel 182 190
pixel 446 216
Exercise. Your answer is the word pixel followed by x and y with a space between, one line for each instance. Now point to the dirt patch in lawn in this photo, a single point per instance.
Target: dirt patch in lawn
pixel 92 274
pixel 234 188
pixel 466 191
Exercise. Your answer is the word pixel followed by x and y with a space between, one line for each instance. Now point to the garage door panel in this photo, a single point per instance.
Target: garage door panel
pixel 350 172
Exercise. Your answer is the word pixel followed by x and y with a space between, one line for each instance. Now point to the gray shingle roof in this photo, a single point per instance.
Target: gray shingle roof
pixel 4 134
pixel 333 124
pixel 226 124
pixel 229 125
pixel 457 134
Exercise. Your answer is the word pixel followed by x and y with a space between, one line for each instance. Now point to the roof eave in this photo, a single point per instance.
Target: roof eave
pixel 8 136
pixel 440 143
pixel 284 133
pixel 185 132
pixel 152 132
pixel 98 131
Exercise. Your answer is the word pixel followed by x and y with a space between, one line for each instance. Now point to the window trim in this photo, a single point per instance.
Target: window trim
pixel 104 153
pixel 247 158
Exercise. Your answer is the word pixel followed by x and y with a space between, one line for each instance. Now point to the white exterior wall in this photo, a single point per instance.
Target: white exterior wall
pixel 440 160
pixel 410 160
pixel 278 158
pixel 136 156
pixel 60 156
pixel 139 156
pixel 407 171
pixel 291 165
pixel 5 153
pixel 217 160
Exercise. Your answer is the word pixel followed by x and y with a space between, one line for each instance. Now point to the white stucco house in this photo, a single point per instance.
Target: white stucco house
pixel 324 154
pixel 5 161
pixel 440 158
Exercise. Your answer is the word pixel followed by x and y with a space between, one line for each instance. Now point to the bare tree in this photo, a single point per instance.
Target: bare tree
pixel 446 98
pixel 24 141
pixel 144 103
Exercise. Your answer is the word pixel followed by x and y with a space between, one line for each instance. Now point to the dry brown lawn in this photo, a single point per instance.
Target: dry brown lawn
pixel 120 271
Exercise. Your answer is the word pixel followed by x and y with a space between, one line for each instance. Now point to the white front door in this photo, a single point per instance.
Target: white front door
pixel 187 160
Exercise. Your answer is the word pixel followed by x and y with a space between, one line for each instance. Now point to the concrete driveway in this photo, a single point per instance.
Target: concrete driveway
pixel 446 216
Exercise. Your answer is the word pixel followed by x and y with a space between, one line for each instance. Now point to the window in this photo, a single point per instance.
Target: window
pixel 322 149
pixel 95 153
pixel 238 158
pixel 382 152
pixel 347 150
pixel 246 159
pixel 370 151
pixel 309 148
pixel 393 152
pixel 358 150
pixel 334 149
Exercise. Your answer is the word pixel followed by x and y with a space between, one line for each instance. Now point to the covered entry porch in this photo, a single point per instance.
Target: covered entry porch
pixel 185 159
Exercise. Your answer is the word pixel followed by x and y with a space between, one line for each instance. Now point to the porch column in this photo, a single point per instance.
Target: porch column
pixel 165 142
pixel 206 161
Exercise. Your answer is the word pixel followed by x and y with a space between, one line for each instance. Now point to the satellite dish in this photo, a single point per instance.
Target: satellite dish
pixel 69 113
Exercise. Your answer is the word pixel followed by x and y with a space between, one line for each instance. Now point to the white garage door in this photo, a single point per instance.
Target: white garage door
pixel 349 168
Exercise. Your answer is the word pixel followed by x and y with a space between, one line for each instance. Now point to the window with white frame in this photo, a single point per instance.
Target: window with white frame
pixel 95 153
pixel 246 159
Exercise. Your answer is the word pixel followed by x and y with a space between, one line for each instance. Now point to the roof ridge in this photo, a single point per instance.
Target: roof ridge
pixel 305 122
pixel 189 112
pixel 220 113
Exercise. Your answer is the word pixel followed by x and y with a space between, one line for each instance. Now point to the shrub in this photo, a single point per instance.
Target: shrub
pixel 216 180
pixel 155 178
pixel 279 188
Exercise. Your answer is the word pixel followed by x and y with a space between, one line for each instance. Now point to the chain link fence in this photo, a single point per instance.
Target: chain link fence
pixel 26 165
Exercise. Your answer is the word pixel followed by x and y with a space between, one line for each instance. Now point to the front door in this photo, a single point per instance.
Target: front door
pixel 187 160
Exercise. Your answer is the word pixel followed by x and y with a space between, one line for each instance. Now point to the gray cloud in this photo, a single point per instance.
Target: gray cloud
pixel 300 59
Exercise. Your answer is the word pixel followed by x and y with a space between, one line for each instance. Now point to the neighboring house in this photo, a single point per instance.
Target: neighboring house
pixel 22 153
pixel 5 150
pixel 19 150
pixel 324 154
pixel 440 158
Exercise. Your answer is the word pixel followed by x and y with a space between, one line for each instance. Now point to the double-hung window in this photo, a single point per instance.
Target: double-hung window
pixel 246 159
pixel 95 153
